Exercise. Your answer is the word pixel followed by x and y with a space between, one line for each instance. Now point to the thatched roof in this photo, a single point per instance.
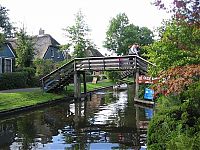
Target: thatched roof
pixel 41 44
pixel 92 52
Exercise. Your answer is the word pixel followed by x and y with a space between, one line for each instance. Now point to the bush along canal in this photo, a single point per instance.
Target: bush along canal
pixel 105 120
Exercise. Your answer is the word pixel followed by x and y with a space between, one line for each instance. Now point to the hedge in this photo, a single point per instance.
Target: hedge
pixel 13 80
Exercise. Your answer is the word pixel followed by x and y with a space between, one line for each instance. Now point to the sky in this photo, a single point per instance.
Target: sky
pixel 55 15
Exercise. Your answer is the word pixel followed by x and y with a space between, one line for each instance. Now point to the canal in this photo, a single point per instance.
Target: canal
pixel 105 120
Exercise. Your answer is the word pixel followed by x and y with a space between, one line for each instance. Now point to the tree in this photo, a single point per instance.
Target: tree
pixel 44 67
pixel 179 38
pixel 77 35
pixel 121 35
pixel 177 56
pixel 5 25
pixel 24 50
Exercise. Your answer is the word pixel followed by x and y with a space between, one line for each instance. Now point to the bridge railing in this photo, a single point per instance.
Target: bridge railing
pixel 106 63
pixel 53 78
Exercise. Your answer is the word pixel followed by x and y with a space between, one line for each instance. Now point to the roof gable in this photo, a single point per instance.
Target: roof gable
pixel 41 44
pixel 6 50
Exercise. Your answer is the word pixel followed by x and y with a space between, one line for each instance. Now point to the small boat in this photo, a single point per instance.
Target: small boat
pixel 120 86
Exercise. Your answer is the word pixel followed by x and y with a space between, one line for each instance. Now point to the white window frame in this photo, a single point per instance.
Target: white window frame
pixel 10 66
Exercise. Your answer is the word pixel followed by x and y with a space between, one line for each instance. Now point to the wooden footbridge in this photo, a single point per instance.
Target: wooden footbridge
pixel 72 71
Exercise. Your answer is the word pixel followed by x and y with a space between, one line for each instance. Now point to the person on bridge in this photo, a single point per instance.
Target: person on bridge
pixel 134 50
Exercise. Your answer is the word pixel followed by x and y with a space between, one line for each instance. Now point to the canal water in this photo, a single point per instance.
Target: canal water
pixel 105 120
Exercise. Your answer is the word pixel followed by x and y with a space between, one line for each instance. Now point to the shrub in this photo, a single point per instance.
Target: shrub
pixel 13 80
pixel 176 124
pixel 44 67
pixel 113 75
pixel 30 74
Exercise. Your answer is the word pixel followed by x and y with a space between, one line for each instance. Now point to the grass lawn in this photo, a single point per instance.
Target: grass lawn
pixel 92 86
pixel 10 101
pixel 13 100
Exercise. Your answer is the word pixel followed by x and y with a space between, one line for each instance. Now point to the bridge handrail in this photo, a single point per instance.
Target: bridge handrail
pixel 113 57
pixel 146 61
pixel 72 61
pixel 110 57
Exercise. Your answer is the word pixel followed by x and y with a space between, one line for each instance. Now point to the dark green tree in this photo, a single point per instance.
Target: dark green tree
pixel 24 50
pixel 121 35
pixel 78 35
pixel 5 25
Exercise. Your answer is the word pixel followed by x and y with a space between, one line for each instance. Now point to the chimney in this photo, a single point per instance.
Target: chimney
pixel 41 32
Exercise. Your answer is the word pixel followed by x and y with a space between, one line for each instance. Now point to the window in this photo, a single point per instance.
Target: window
pixel 8 65
pixel 52 53
pixel 58 54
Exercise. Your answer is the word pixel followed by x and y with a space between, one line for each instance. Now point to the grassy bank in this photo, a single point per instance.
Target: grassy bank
pixel 92 86
pixel 10 101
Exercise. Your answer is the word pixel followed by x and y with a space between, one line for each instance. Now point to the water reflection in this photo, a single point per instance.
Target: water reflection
pixel 107 120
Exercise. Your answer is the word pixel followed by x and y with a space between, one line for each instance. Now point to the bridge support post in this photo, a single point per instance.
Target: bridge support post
pixel 136 84
pixel 84 83
pixel 77 85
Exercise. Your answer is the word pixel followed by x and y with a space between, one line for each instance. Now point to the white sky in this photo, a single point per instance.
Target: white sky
pixel 53 16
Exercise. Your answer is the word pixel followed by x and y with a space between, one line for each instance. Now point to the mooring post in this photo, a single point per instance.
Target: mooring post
pixel 136 84
pixel 77 85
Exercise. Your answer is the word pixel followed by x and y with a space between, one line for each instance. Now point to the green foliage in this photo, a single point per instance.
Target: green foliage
pixel 44 67
pixel 2 40
pixel 113 75
pixel 5 25
pixel 32 80
pixel 24 50
pixel 176 124
pixel 183 142
pixel 178 46
pixel 121 35
pixel 61 63
pixel 77 35
pixel 13 80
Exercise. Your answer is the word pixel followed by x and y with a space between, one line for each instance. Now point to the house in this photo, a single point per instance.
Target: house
pixel 45 47
pixel 7 58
